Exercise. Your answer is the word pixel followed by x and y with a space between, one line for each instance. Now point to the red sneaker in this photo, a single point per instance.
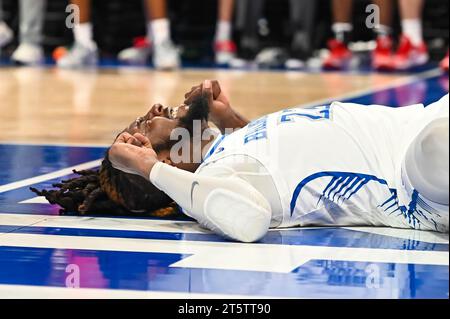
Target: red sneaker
pixel 339 56
pixel 382 55
pixel 409 56
pixel 225 51
pixel 444 63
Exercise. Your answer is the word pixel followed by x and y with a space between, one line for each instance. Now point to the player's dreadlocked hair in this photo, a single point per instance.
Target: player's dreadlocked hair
pixel 109 191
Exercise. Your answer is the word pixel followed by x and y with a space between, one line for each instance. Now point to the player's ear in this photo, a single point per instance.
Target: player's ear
pixel 168 162
pixel 164 157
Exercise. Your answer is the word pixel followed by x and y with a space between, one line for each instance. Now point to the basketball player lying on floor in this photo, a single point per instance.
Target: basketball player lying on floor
pixel 338 165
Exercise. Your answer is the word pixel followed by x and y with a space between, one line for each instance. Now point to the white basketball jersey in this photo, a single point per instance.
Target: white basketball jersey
pixel 332 165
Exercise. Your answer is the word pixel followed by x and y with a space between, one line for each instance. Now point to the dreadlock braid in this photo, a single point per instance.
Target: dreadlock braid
pixel 109 191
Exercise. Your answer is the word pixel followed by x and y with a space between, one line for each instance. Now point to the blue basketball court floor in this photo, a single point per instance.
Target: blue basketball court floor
pixel 44 255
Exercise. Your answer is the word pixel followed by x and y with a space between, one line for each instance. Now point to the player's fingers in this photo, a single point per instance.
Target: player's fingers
pixel 208 91
pixel 143 140
pixel 123 137
pixel 133 141
pixel 217 90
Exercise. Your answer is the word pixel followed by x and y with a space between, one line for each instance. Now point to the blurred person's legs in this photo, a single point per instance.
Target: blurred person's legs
pixel 84 52
pixel 382 55
pixel 158 40
pixel 32 16
pixel 342 28
pixel 412 50
pixel 224 46
pixel 303 15
pixel 6 34
pixel 165 54
pixel 248 12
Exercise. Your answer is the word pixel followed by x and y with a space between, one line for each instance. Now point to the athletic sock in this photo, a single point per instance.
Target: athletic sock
pixel 84 35
pixel 412 28
pixel 160 30
pixel 223 31
pixel 149 32
pixel 342 31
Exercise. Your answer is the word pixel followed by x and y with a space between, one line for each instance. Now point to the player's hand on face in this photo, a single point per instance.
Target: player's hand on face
pixel 219 104
pixel 133 154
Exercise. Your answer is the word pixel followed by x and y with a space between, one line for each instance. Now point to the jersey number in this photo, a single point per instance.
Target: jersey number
pixel 315 114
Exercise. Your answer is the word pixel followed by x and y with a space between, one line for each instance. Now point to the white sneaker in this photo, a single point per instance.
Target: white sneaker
pixel 166 56
pixel 28 54
pixel 79 57
pixel 294 64
pixel 271 57
pixel 241 64
pixel 225 52
pixel 6 34
pixel 138 53
pixel 224 58
pixel 134 55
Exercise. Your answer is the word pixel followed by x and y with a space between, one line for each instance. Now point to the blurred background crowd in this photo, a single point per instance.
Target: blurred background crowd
pixel 287 34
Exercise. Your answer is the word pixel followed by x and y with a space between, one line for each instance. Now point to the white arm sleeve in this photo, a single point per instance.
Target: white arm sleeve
pixel 228 206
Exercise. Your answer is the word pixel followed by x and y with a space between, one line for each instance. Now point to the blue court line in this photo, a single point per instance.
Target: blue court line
pixel 334 237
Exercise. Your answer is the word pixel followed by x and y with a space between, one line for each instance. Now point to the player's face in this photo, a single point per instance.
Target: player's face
pixel 158 123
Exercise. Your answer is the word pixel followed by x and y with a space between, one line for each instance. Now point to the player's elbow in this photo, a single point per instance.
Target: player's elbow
pixel 243 217
pixel 427 162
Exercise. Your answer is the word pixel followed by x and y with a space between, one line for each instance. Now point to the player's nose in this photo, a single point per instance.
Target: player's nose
pixel 156 110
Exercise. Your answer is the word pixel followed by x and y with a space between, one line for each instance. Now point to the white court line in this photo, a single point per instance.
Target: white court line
pixel 35 200
pixel 95 223
pixel 37 292
pixel 49 176
pixel 20 220
pixel 230 256
pixel 377 88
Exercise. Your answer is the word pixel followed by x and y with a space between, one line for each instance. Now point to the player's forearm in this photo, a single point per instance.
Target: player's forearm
pixel 177 184
pixel 231 121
